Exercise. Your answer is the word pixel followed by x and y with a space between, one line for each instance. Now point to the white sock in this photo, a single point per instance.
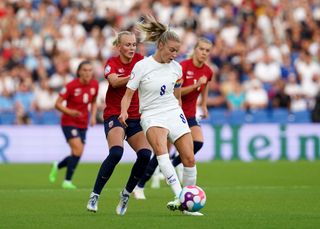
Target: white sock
pixel 94 194
pixel 189 176
pixel 125 191
pixel 169 173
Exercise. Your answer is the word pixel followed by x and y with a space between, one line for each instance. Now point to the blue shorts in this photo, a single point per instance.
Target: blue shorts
pixel 133 126
pixel 74 132
pixel 192 122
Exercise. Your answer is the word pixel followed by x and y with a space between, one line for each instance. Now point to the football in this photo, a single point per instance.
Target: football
pixel 192 198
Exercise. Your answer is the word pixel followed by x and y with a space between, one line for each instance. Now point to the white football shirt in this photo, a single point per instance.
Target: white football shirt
pixel 155 83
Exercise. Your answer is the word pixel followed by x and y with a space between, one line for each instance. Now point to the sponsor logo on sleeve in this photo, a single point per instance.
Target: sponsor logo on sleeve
pixel 107 69
pixel 132 75
pixel 63 90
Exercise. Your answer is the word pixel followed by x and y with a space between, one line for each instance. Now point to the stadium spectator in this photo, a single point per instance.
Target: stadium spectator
pixel 256 96
pixel 24 100
pixel 6 101
pixel 36 33
pixel 79 94
pixel 278 96
pixel 45 96
pixel 117 72
pixel 298 101
pixel 236 98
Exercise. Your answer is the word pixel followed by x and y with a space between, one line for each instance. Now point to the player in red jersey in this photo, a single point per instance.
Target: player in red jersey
pixel 78 94
pixel 117 72
pixel 196 75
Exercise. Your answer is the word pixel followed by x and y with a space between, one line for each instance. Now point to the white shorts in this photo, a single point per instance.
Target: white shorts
pixel 172 120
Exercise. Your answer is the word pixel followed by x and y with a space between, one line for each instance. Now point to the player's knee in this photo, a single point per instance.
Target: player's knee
pixel 115 154
pixel 144 155
pixel 77 151
pixel 189 161
pixel 197 145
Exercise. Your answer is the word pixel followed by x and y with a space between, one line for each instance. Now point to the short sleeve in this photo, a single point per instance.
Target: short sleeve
pixel 178 70
pixel 210 73
pixel 183 67
pixel 135 77
pixel 65 91
pixel 109 68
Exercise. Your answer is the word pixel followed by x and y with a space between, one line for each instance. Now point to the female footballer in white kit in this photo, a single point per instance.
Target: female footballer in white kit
pixel 157 80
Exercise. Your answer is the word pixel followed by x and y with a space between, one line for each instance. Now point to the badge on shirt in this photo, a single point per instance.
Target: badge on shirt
pixel 77 91
pixel 189 75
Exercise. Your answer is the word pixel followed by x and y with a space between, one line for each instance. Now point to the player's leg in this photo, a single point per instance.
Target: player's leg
pixel 115 135
pixel 157 137
pixel 185 147
pixel 68 134
pixel 77 148
pixel 197 137
pixel 152 172
pixel 139 144
pixel 189 171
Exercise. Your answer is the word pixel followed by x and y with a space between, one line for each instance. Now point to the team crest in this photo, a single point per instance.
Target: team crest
pixel 107 69
pixel 121 70
pixel 189 74
pixel 110 124
pixel 77 91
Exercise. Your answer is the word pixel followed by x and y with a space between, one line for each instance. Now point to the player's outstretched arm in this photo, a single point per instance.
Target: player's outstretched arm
pixel 125 103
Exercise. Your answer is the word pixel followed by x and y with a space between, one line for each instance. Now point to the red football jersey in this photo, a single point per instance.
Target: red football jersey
pixel 114 95
pixel 78 97
pixel 190 75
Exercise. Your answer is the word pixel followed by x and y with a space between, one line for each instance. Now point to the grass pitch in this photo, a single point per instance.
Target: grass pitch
pixel 239 195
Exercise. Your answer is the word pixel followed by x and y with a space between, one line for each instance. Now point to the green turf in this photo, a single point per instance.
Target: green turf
pixel 239 195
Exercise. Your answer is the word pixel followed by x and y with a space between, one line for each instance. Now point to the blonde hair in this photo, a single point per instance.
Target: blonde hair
pixel 204 40
pixel 156 31
pixel 117 40
pixel 199 40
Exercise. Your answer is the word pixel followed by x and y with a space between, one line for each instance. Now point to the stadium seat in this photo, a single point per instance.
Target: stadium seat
pixel 219 116
pixel 300 117
pixel 258 116
pixel 279 116
pixel 50 118
pixel 238 117
pixel 7 118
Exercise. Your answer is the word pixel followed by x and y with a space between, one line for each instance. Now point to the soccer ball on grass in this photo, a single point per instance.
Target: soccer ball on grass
pixel 192 198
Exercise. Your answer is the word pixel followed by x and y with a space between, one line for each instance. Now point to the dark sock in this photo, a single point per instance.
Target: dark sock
pixel 196 147
pixel 153 163
pixel 107 167
pixel 138 169
pixel 64 162
pixel 72 164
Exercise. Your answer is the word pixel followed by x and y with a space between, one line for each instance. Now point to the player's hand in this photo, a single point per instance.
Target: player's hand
pixel 75 113
pixel 122 119
pixel 202 80
pixel 205 113
pixel 93 121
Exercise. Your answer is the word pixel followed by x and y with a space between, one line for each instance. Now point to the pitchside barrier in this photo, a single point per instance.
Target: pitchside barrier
pixel 248 142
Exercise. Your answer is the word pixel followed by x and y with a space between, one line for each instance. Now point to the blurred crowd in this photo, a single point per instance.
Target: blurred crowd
pixel 266 53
